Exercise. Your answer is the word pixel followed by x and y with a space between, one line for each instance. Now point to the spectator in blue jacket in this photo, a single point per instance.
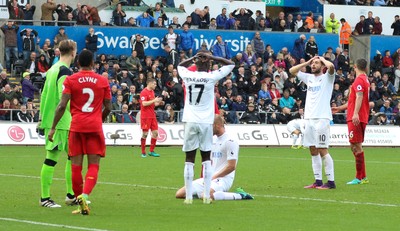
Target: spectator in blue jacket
pixel 230 23
pixel 387 110
pixel 221 49
pixel 187 41
pixel 299 48
pixel 287 100
pixel 144 20
pixel 222 19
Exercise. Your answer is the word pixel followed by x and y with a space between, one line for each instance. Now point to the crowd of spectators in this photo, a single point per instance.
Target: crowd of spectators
pixel 259 90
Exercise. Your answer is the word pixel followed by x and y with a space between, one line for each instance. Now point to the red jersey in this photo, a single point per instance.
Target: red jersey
pixel 147 111
pixel 361 84
pixel 88 91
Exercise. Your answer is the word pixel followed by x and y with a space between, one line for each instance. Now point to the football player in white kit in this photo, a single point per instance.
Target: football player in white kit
pixel 198 115
pixel 318 116
pixel 296 127
pixel 224 157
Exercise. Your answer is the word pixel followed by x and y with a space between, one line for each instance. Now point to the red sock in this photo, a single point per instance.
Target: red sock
pixel 361 165
pixel 77 181
pixel 153 144
pixel 143 145
pixel 91 178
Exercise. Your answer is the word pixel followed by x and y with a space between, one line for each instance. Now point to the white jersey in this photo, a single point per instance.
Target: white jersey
pixel 319 93
pixel 224 149
pixel 296 124
pixel 200 97
pixel 171 40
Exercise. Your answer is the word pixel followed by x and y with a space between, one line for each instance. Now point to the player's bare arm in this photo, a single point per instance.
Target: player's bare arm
pixel 328 64
pixel 58 114
pixel 156 101
pixel 295 70
pixel 357 106
pixel 339 109
pixel 107 109
pixel 188 62
pixel 230 167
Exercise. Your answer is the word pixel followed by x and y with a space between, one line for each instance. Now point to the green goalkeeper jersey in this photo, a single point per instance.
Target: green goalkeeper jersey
pixel 51 96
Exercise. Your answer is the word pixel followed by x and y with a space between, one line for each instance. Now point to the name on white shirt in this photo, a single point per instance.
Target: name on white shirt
pixel 198 80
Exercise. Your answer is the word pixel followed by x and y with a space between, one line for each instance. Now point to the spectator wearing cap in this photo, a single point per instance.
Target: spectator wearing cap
pixel 119 15
pixel 298 104
pixel 60 37
pixel 28 89
pixel 345 33
pixel 250 116
pixel 396 25
pixel 48 9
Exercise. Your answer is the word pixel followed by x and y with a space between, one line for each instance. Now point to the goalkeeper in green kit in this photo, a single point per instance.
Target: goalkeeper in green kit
pixel 49 100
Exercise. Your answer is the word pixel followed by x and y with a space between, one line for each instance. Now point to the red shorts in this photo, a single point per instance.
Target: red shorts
pixel 80 143
pixel 356 133
pixel 148 124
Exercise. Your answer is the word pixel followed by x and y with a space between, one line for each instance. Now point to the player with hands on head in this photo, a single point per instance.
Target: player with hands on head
pixel 198 115
pixel 357 118
pixel 318 116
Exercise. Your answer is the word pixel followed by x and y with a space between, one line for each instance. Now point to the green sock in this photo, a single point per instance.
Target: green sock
pixel 68 177
pixel 46 175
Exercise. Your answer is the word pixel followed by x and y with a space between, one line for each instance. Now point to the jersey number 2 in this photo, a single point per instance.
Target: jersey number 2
pixel 87 107
pixel 198 96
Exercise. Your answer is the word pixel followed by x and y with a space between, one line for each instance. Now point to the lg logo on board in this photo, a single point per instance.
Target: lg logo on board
pixel 16 133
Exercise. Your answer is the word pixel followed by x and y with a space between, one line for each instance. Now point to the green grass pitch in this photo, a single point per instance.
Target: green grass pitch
pixel 135 193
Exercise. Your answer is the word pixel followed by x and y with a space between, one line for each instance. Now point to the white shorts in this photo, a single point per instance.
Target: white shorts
pixel 317 133
pixel 218 185
pixel 291 128
pixel 197 135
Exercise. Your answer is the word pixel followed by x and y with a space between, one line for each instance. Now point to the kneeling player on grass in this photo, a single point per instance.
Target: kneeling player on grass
pixel 296 128
pixel 88 93
pixel 224 156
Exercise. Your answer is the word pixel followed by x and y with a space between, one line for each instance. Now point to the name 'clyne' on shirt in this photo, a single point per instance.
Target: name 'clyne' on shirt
pixel 87 80
pixel 198 80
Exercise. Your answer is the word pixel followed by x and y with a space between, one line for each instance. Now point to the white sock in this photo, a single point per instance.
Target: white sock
pixel 188 174
pixel 294 138
pixel 219 196
pixel 329 170
pixel 317 166
pixel 207 175
pixel 301 139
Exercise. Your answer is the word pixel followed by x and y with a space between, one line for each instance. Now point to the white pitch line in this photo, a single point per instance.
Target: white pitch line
pixel 266 196
pixel 308 159
pixel 49 224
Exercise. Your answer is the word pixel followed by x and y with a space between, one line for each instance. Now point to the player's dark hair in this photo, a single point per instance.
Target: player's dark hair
pixel 362 64
pixel 85 58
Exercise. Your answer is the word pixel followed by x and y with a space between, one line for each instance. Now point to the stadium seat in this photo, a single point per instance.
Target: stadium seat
pixel 17 67
pixel 37 80
pixel 122 57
